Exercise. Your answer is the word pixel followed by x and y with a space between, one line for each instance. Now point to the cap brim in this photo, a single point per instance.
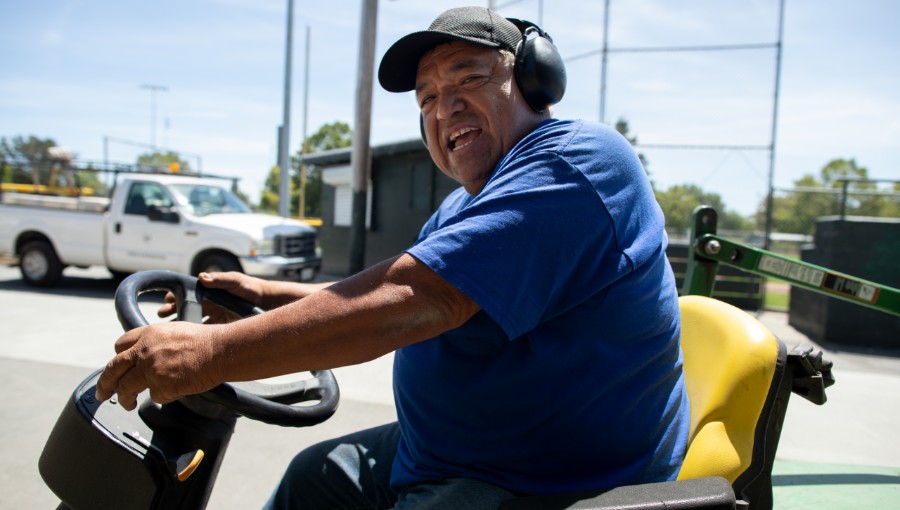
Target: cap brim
pixel 397 72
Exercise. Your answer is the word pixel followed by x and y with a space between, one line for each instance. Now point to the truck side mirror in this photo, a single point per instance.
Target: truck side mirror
pixel 156 212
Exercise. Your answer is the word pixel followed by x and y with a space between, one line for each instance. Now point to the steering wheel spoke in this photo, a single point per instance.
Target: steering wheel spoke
pixel 189 307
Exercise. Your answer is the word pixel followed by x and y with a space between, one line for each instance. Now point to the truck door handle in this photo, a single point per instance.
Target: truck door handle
pixel 118 228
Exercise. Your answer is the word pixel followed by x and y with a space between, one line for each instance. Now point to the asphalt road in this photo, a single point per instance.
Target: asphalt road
pixel 51 339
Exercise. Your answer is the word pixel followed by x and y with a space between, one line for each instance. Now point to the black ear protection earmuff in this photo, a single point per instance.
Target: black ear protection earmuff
pixel 539 70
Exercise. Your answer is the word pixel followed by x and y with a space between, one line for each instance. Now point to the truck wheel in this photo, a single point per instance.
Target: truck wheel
pixel 218 263
pixel 39 264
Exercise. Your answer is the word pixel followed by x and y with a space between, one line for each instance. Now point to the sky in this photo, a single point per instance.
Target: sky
pixel 78 71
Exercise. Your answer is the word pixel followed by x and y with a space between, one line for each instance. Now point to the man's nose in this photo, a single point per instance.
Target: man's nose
pixel 449 103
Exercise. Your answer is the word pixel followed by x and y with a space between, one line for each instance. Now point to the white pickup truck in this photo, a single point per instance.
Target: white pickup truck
pixel 154 221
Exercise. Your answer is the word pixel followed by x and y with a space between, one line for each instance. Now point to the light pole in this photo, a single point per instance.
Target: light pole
pixel 303 148
pixel 153 90
pixel 284 160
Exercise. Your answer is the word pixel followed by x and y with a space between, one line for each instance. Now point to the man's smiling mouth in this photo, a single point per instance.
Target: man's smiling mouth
pixel 458 140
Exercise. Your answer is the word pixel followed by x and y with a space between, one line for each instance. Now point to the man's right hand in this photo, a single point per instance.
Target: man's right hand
pixel 245 287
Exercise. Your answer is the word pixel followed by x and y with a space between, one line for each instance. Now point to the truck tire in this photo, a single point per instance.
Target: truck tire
pixel 39 265
pixel 218 263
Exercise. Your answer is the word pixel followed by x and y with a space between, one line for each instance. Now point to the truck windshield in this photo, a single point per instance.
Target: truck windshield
pixel 201 199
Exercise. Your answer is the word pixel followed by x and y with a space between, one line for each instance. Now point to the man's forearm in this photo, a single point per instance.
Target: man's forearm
pixel 279 293
pixel 388 306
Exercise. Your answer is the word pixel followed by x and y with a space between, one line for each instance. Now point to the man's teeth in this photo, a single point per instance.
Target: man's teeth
pixel 457 134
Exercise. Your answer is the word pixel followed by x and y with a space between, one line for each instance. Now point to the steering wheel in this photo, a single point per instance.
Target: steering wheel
pixel 269 403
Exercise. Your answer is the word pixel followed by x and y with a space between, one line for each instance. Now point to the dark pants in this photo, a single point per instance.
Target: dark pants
pixel 353 472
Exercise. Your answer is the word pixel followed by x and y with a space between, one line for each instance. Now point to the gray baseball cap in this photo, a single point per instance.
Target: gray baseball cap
pixel 477 25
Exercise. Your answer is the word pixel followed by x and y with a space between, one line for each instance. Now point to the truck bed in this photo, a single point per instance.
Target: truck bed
pixel 86 204
pixel 75 226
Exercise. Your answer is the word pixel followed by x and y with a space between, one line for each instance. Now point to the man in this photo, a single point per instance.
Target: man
pixel 535 320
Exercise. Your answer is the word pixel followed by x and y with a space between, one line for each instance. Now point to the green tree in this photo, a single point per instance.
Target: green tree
pixel 35 160
pixel 680 200
pixel 796 212
pixel 839 173
pixel 335 135
pixel 26 160
pixel 89 179
pixel 238 193
pixel 892 205
pixel 269 198
pixel 814 197
pixel 838 169
pixel 163 161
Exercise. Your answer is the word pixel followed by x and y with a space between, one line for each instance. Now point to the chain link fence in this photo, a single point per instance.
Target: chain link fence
pixel 796 210
pixel 795 213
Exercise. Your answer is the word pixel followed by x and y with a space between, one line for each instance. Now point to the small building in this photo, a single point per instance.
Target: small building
pixel 405 189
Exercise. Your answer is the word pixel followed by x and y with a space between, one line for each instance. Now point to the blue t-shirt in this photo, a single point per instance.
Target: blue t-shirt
pixel 570 376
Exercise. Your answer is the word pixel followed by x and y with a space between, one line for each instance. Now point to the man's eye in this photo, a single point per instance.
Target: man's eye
pixel 425 100
pixel 470 80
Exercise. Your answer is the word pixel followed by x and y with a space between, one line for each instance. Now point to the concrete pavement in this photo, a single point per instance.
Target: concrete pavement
pixel 859 422
pixel 50 340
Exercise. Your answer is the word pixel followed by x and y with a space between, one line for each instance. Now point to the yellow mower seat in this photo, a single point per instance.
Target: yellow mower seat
pixel 733 368
pixel 739 378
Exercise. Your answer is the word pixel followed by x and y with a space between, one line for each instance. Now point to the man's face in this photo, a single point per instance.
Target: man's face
pixel 472 110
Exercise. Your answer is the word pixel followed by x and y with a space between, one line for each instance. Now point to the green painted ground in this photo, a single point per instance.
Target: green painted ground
pixel 802 485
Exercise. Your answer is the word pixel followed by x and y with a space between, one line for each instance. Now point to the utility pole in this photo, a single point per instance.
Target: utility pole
pixel 302 205
pixel 153 90
pixel 360 157
pixel 284 161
